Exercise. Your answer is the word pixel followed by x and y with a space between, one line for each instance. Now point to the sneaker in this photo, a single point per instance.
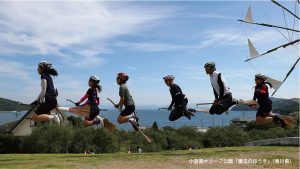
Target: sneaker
pixel 279 121
pixel 136 118
pixel 229 109
pixel 61 118
pixel 192 110
pixel 56 119
pixel 188 114
pixel 100 119
pixel 134 124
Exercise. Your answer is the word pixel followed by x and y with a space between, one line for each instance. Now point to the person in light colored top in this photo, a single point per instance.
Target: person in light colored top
pixel 223 96
pixel 46 100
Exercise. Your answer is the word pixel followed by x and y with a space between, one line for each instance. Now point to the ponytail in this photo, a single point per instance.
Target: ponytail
pixel 52 72
pixel 99 88
pixel 268 83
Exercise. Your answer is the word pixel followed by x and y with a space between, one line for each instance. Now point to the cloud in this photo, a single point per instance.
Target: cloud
pixel 52 28
pixel 213 16
pixel 13 69
pixel 152 46
pixel 132 68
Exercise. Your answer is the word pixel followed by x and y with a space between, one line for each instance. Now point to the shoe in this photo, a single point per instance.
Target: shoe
pixel 136 118
pixel 134 124
pixel 282 123
pixel 56 119
pixel 192 110
pixel 61 118
pixel 100 119
pixel 188 114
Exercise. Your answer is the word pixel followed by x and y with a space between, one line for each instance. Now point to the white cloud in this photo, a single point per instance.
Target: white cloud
pixel 214 16
pixel 152 46
pixel 14 69
pixel 59 28
pixel 132 68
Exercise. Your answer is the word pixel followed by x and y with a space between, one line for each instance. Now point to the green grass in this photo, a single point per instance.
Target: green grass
pixel 73 160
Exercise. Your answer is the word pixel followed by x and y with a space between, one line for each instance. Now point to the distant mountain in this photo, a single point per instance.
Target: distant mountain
pixel 242 108
pixel 297 100
pixel 9 105
pixel 285 106
pixel 282 106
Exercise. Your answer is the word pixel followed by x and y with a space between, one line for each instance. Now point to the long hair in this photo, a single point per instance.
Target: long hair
pixel 268 83
pixel 99 88
pixel 50 71
pixel 53 72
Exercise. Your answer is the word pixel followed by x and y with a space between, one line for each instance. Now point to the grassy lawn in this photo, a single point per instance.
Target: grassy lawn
pixel 177 158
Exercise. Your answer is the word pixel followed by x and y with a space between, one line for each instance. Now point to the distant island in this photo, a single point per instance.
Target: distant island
pixel 281 106
pixel 9 105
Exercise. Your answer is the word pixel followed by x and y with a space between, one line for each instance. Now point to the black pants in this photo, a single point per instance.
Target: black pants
pixel 178 111
pixel 264 109
pixel 223 106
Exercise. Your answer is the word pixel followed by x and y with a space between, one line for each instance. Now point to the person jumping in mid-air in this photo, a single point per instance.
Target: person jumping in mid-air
pixel 90 108
pixel 46 100
pixel 223 96
pixel 128 114
pixel 179 100
pixel 261 98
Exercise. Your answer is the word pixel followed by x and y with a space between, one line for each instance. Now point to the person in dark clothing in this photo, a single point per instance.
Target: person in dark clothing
pixel 46 100
pixel 261 97
pixel 92 102
pixel 179 100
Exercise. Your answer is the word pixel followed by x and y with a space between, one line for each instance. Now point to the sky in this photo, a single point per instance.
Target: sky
pixel 147 40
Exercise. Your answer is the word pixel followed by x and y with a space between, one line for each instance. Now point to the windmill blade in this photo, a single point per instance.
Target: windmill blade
pixel 275 2
pixel 255 54
pixel 288 74
pixel 269 25
pixel 282 46
pixel 252 50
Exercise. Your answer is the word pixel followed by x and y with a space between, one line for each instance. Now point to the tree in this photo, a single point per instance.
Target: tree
pixel 8 143
pixel 48 139
pixel 105 141
pixel 155 126
pixel 82 140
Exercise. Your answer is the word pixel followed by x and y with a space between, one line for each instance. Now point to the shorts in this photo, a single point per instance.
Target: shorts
pixel 223 106
pixel 94 111
pixel 46 107
pixel 129 109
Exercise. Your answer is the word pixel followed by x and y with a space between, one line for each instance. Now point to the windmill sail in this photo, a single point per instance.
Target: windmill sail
pixel 275 83
pixel 254 53
pixel 248 19
pixel 252 50
pixel 249 16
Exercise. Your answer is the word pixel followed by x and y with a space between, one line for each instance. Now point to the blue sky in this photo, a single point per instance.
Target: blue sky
pixel 145 39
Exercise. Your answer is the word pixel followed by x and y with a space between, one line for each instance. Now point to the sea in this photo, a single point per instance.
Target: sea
pixel 148 116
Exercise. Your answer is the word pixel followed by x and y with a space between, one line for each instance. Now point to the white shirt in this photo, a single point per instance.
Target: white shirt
pixel 215 84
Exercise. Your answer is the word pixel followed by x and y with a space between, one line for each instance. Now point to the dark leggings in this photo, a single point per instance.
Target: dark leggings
pixel 223 106
pixel 178 111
